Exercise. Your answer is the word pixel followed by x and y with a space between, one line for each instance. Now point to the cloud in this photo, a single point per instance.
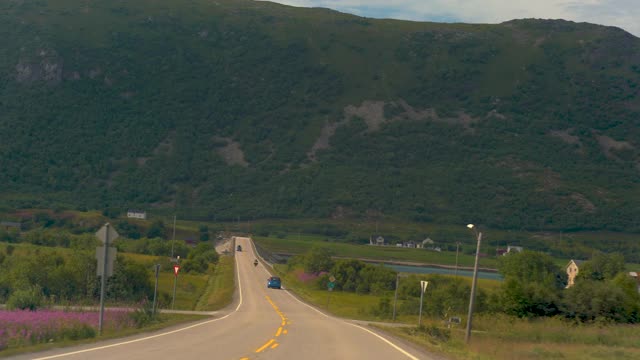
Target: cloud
pixel 621 13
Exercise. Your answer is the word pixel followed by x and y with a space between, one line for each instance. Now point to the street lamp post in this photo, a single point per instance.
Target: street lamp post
pixel 467 336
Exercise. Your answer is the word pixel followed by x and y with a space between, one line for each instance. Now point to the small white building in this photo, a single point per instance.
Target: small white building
pixel 572 268
pixel 137 214
pixel 514 249
pixel 376 240
pixel 427 243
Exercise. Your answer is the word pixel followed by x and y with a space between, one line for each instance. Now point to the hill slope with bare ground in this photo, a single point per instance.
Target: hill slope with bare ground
pixel 228 108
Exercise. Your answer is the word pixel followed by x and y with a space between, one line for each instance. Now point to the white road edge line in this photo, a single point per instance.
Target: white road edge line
pixel 386 340
pixel 404 352
pixel 154 336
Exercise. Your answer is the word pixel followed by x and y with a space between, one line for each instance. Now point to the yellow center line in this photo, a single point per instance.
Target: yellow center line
pixel 244 359
pixel 274 345
pixel 265 345
pixel 279 331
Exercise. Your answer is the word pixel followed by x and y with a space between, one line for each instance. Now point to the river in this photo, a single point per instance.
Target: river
pixel 444 271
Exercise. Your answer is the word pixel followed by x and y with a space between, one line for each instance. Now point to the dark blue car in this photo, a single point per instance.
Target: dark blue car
pixel 274 283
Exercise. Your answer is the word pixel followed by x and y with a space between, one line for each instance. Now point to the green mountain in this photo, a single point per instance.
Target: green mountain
pixel 229 108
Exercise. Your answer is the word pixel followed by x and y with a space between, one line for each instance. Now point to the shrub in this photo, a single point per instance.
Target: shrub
pixel 26 299
pixel 143 315
pixel 384 308
pixel 78 332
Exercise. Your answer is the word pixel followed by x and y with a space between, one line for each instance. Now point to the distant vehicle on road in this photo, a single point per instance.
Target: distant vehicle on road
pixel 274 283
pixel 239 248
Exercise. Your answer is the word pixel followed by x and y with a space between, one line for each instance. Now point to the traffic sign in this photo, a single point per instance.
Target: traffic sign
pixel 423 285
pixel 176 269
pixel 105 230
pixel 111 257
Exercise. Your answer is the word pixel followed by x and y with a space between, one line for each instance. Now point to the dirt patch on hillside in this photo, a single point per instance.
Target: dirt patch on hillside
pixel 463 119
pixel 608 144
pixel 47 69
pixel 583 202
pixel 231 152
pixel 565 135
pixel 377 113
pixel 372 112
pixel 322 142
pixel 165 146
pixel 415 115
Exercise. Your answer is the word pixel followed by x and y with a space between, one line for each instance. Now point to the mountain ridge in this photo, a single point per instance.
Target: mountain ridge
pixel 235 107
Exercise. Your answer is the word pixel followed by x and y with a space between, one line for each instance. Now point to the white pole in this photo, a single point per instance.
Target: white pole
pixel 173 239
pixel 467 336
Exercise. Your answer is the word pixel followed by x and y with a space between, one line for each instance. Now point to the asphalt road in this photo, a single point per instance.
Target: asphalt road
pixel 261 324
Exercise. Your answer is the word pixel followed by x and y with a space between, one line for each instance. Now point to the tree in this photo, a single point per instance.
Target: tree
pixel 204 233
pixel 156 229
pixel 589 300
pixel 532 284
pixel 347 274
pixel 131 281
pixel 528 299
pixel 532 267
pixel 317 259
pixel 602 267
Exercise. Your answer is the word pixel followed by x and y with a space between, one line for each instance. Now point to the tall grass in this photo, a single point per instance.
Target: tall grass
pixel 24 328
pixel 220 287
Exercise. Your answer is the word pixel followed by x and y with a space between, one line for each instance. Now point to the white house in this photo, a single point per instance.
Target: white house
pixel 137 214
pixel 514 249
pixel 573 268
pixel 427 243
pixel 376 240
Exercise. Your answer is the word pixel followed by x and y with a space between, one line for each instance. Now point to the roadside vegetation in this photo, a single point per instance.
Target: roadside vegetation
pixel 221 286
pixel 49 286
pixel 529 315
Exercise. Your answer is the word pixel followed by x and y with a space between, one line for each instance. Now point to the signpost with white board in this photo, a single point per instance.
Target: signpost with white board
pixel 105 256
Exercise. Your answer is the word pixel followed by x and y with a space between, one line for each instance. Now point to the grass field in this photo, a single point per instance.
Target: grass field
pixel 506 338
pixel 294 244
pixel 167 320
pixel 220 287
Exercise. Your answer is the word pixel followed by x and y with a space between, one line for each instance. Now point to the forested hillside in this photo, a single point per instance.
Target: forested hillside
pixel 228 108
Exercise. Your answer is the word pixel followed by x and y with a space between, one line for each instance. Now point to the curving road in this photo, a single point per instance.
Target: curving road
pixel 262 324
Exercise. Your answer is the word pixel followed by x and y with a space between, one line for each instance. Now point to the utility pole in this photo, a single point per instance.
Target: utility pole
pixel 173 239
pixel 176 268
pixel 395 296
pixel 457 248
pixel 155 290
pixel 467 335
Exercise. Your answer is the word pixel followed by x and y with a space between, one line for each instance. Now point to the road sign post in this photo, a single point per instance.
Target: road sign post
pixel 395 296
pixel 423 288
pixel 330 286
pixel 176 269
pixel 155 290
pixel 105 234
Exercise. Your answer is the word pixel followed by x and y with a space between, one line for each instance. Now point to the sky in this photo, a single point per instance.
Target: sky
pixel 624 14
